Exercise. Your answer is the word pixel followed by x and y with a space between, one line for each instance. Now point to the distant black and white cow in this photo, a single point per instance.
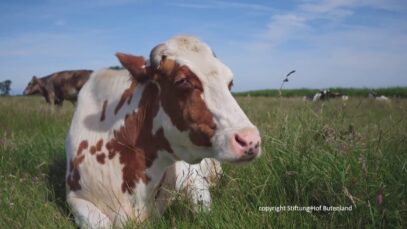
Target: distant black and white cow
pixel 325 95
pixel 130 127
pixel 377 97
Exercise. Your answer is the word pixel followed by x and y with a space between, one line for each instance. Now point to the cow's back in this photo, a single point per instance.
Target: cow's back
pixel 96 102
pixel 67 84
pixel 99 178
pixel 79 78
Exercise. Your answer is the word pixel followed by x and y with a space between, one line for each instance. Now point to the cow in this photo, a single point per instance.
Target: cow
pixel 58 86
pixel 382 98
pixel 374 95
pixel 325 95
pixel 136 133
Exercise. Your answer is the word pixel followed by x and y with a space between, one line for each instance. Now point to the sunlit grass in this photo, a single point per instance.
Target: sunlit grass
pixel 336 153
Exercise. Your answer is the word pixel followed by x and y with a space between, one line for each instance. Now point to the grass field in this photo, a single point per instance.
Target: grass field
pixel 398 92
pixel 335 153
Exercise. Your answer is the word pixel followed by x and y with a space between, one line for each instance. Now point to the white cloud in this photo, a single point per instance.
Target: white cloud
pixel 326 6
pixel 338 54
pixel 281 26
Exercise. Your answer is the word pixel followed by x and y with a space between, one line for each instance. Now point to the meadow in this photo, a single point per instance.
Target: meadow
pixel 334 153
pixel 399 92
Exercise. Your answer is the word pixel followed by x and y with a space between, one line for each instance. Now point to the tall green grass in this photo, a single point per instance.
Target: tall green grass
pixel 331 153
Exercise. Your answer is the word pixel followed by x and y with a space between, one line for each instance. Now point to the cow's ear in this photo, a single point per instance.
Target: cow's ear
pixel 136 65
pixel 38 81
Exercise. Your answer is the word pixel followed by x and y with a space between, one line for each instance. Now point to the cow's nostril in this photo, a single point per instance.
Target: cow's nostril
pixel 250 152
pixel 257 145
pixel 240 140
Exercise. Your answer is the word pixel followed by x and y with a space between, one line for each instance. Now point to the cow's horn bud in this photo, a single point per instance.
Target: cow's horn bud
pixel 156 55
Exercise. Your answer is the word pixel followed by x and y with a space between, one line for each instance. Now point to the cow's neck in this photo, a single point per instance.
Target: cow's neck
pixel 150 148
pixel 143 149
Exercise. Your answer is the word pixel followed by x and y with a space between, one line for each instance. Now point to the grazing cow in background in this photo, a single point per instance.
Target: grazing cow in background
pixel 58 86
pixel 374 95
pixel 131 127
pixel 382 98
pixel 325 95
pixel 308 97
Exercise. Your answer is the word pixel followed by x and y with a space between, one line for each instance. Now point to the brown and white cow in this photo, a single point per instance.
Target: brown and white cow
pixel 58 86
pixel 130 127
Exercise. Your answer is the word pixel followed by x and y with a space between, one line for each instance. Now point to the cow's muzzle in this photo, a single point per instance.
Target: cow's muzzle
pixel 245 144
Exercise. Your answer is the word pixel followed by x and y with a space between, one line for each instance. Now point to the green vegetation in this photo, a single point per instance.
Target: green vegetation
pixel 5 87
pixel 335 153
pixel 400 92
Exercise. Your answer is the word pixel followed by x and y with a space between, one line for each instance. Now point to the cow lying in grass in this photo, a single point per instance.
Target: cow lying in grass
pixel 58 86
pixel 130 127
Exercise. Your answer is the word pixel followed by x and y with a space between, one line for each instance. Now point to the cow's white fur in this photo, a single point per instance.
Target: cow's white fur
pixel 100 202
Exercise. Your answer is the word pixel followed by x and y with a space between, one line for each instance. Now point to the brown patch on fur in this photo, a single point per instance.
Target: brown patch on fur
pixel 99 145
pixel 77 161
pixel 127 95
pixel 92 150
pixel 73 178
pixel 186 108
pixel 103 116
pixel 101 158
pixel 110 150
pixel 74 175
pixel 82 146
pixel 136 145
pixel 97 148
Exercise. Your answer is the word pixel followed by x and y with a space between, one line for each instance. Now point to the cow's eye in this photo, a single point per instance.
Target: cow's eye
pixel 230 85
pixel 183 84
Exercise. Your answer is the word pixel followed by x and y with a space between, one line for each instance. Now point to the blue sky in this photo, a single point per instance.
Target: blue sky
pixel 345 43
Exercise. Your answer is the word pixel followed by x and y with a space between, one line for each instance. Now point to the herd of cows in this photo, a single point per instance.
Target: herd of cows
pixel 65 85
pixel 323 95
pixel 144 133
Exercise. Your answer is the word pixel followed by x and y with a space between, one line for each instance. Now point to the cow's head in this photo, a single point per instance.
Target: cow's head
pixel 33 87
pixel 199 115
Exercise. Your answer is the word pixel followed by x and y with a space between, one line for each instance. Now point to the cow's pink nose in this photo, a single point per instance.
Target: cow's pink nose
pixel 246 143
